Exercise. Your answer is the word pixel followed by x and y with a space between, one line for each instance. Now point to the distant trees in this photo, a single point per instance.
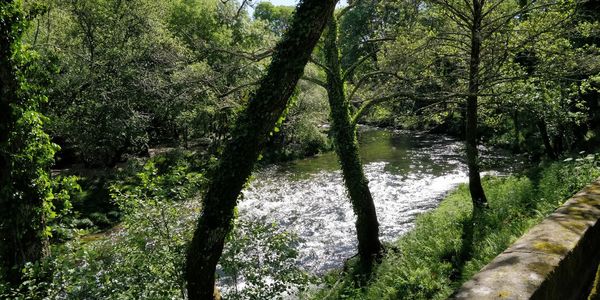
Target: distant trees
pixel 134 74
pixel 265 108
pixel 26 152
pixel 131 75
pixel 278 17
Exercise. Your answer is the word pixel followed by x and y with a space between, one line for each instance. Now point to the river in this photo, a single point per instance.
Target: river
pixel 409 173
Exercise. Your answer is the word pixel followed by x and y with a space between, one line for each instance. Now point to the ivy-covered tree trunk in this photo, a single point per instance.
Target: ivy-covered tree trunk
pixel 346 147
pixel 477 193
pixel 248 138
pixel 25 157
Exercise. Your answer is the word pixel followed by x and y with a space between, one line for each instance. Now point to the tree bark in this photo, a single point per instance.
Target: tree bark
pixel 477 193
pixel 248 138
pixel 346 147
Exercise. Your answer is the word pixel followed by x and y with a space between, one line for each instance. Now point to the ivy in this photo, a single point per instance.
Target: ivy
pixel 29 196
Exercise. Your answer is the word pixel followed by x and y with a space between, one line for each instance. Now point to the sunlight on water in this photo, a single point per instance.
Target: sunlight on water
pixel 407 174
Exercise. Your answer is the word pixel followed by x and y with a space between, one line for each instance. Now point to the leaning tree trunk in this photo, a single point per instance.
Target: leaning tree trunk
pixel 22 221
pixel 477 193
pixel 346 147
pixel 252 129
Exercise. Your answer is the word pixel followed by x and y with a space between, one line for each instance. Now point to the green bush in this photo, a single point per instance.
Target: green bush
pixel 560 180
pixel 259 262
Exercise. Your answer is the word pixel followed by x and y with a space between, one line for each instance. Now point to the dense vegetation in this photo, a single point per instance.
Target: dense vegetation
pixel 129 128
pixel 427 264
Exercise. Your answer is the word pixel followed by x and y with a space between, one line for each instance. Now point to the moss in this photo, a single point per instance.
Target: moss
pixel 540 268
pixel 574 225
pixel 346 147
pixel 504 294
pixel 550 248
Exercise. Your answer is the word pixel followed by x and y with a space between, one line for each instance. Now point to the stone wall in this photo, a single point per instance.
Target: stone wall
pixel 556 259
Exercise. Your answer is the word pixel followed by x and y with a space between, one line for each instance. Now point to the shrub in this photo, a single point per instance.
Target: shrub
pixel 259 262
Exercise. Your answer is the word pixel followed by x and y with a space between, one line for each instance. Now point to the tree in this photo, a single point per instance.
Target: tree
pixel 108 53
pixel 477 193
pixel 248 138
pixel 137 74
pixel 469 20
pixel 479 34
pixel 278 17
pixel 26 152
pixel 346 147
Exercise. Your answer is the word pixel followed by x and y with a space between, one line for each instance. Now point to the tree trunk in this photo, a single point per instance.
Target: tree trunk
pixel 541 124
pixel 346 147
pixel 21 219
pixel 248 138
pixel 477 193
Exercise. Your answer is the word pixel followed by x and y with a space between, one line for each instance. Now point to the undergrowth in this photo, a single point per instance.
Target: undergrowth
pixel 426 264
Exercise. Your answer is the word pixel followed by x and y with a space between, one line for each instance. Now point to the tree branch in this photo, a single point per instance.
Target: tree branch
pixel 315 81
pixel 239 88
pixel 357 64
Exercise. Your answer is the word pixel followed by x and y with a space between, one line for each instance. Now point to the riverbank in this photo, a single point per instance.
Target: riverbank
pixel 403 166
pixel 426 264
pixel 295 217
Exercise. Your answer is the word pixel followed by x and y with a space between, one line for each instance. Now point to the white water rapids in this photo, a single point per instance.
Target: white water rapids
pixel 405 179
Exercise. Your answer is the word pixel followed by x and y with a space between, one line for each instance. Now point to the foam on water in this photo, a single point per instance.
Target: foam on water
pixel 317 208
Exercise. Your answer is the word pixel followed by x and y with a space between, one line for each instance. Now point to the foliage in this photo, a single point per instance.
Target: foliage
pixel 143 256
pixel 259 262
pixel 277 17
pixel 560 180
pixel 169 177
pixel 424 264
pixel 301 133
pixel 131 75
pixel 108 80
pixel 357 27
pixel 66 190
pixel 30 199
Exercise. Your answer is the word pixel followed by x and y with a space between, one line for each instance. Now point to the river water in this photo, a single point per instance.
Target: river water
pixel 408 174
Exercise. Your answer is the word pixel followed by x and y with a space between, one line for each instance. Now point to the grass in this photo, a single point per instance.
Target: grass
pixel 426 264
